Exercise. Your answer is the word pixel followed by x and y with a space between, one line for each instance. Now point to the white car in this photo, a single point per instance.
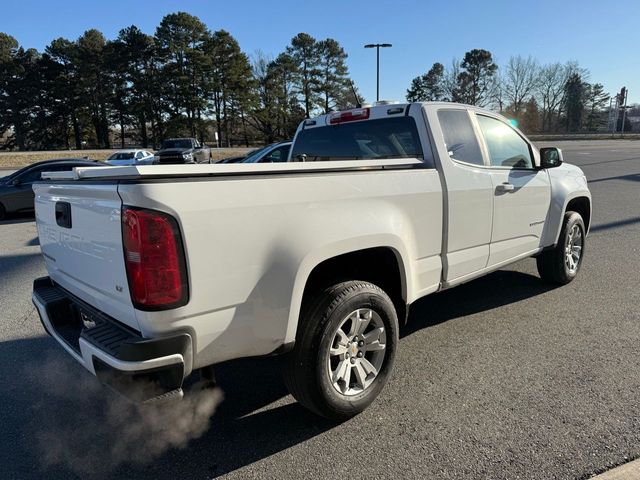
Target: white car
pixel 158 272
pixel 130 157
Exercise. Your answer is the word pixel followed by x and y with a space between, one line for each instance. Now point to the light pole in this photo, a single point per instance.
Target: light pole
pixel 377 47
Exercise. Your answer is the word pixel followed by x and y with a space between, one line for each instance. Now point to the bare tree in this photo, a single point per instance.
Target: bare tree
pixel 550 90
pixel 264 118
pixel 450 81
pixel 519 81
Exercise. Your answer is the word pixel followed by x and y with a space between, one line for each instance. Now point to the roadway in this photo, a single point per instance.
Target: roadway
pixel 502 378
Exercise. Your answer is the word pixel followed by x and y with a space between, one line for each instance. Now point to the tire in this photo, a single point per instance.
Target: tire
pixel 353 306
pixel 3 212
pixel 554 265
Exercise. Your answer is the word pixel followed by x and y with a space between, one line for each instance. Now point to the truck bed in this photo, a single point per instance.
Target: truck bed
pixel 155 171
pixel 252 234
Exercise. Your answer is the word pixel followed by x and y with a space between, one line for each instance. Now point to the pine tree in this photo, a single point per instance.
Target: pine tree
pixel 62 58
pixel 94 82
pixel 596 101
pixel 334 74
pixel 135 59
pixel 232 85
pixel 428 87
pixel 181 40
pixel 306 55
pixel 476 80
pixel 574 102
pixel 529 116
pixel 9 70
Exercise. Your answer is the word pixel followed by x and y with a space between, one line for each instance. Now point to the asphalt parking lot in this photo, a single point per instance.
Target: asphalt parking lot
pixel 502 378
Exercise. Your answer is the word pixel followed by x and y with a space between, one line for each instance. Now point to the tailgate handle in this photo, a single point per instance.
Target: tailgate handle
pixel 63 214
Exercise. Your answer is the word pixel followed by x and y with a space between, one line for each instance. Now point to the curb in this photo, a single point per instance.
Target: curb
pixel 628 471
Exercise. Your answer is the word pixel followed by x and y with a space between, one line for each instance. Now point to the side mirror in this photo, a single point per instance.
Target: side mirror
pixel 550 157
pixel 16 182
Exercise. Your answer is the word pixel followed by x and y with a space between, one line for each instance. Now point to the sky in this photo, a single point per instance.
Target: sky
pixel 602 36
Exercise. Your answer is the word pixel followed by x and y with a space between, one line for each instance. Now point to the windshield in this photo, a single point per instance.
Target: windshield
pixel 253 156
pixel 121 156
pixel 176 143
pixel 11 176
pixel 384 138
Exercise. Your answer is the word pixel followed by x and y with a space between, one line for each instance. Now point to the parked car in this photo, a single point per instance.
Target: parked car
pixel 130 157
pixel 274 153
pixel 182 150
pixel 16 193
pixel 239 159
pixel 317 259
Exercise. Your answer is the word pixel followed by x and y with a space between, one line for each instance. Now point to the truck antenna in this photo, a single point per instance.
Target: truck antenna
pixel 353 89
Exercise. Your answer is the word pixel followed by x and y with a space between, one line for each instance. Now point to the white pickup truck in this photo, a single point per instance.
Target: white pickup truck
pixel 156 272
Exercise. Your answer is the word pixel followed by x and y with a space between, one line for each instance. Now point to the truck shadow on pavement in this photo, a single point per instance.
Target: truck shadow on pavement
pixel 497 289
pixel 256 419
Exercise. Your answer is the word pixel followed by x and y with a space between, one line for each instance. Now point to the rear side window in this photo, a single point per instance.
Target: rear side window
pixel 459 136
pixel 35 175
pixel 383 138
pixel 121 156
pixel 279 154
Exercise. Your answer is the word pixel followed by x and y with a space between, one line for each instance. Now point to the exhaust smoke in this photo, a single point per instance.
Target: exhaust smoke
pixel 84 426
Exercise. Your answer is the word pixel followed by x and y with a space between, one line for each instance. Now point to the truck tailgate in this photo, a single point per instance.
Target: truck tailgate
pixel 81 240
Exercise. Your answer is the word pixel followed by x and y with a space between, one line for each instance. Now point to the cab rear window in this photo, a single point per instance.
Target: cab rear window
pixel 384 138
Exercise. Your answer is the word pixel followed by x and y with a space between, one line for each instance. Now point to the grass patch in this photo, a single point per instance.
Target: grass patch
pixel 12 160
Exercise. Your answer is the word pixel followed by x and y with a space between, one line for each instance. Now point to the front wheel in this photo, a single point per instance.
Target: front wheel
pixel 561 264
pixel 344 351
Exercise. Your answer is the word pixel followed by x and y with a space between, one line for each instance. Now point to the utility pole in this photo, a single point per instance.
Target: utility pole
pixel 377 46
pixel 613 115
pixel 624 109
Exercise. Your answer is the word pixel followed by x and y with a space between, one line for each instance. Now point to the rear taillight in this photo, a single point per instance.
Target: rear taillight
pixel 154 258
pixel 349 116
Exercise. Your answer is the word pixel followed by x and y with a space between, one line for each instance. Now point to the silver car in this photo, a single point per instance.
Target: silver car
pixel 130 157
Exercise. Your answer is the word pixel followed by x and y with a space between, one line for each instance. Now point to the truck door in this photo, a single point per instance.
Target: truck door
pixel 521 193
pixel 468 193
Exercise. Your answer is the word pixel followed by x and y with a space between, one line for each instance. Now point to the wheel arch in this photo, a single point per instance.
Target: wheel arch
pixel 579 201
pixel 353 264
pixel 581 205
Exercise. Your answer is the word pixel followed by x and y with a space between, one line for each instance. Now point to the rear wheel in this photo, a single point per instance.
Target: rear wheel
pixel 561 264
pixel 3 212
pixel 344 350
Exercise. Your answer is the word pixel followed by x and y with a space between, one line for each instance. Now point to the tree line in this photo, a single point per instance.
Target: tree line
pixel 184 80
pixel 551 98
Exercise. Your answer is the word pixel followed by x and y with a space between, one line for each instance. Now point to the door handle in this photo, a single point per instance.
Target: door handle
pixel 505 187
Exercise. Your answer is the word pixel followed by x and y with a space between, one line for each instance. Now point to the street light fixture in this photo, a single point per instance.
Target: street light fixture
pixel 377 46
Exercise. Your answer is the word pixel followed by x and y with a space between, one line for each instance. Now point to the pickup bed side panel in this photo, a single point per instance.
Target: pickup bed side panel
pixel 252 241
